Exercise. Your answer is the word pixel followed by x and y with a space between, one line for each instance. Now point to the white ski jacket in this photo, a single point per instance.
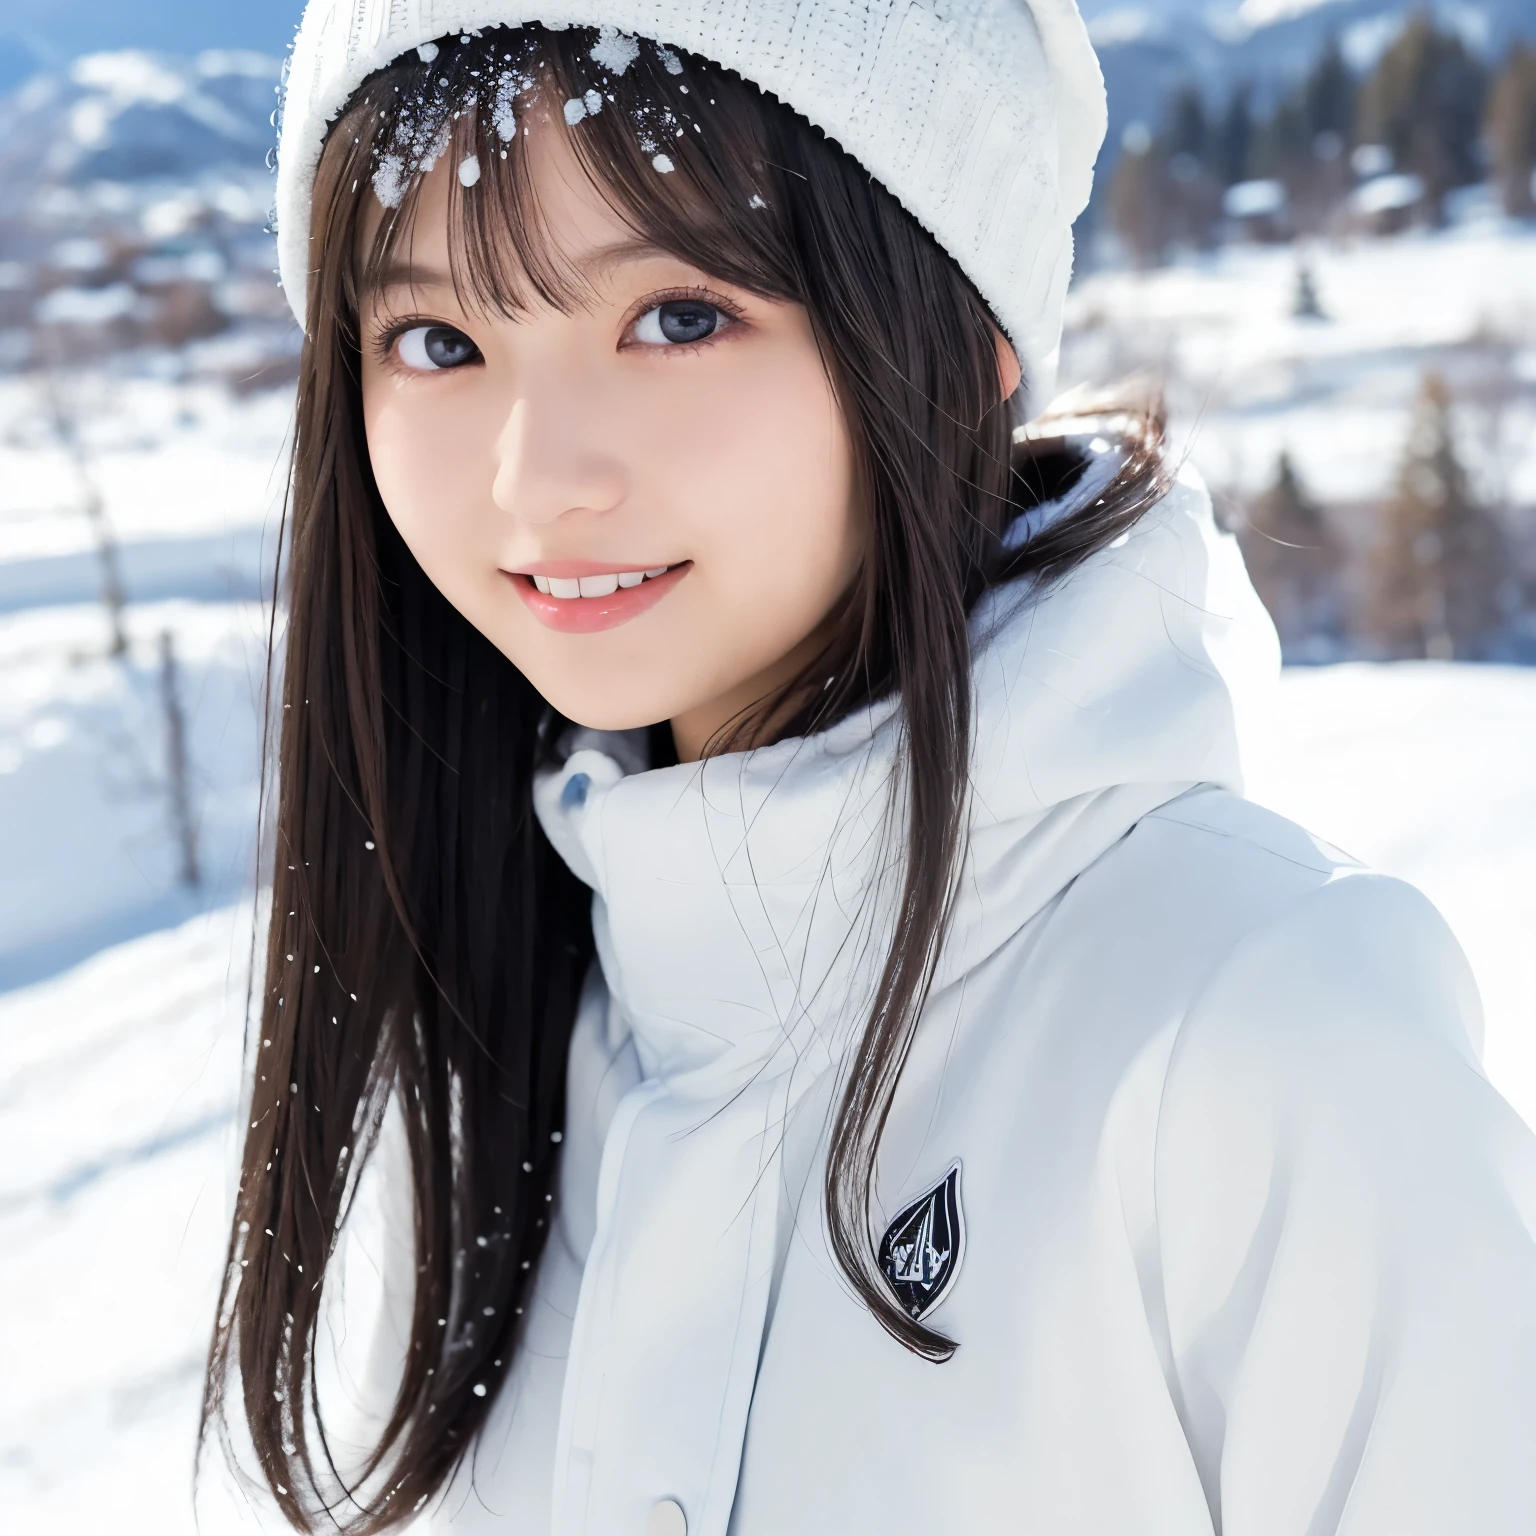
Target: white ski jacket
pixel 1193 1158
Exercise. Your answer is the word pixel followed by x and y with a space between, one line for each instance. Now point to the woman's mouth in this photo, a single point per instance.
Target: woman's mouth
pixel 579 598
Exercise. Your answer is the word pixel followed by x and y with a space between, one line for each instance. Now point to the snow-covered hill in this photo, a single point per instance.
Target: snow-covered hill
pixel 172 461
pixel 86 788
pixel 117 1092
pixel 134 203
pixel 133 116
pixel 190 481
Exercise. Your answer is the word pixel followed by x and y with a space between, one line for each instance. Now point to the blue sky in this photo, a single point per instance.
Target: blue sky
pixel 40 32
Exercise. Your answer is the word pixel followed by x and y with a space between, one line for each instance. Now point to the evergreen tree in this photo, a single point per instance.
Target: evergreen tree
pixel 1191 189
pixel 1232 149
pixel 1436 581
pixel 1295 564
pixel 1282 146
pixel 1304 140
pixel 1305 304
pixel 1511 131
pixel 1424 101
pixel 1329 98
pixel 1329 95
pixel 1187 132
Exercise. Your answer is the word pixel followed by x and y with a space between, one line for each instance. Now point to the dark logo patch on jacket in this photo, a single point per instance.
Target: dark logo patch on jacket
pixel 921 1251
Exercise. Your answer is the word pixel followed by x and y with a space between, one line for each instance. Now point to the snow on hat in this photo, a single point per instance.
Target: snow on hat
pixel 982 117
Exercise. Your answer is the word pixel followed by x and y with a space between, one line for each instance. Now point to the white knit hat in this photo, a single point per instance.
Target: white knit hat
pixel 983 117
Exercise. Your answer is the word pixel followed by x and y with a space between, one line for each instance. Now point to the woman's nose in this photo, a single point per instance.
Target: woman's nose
pixel 551 459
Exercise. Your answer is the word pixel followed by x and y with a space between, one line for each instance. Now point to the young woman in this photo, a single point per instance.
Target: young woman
pixel 777 1018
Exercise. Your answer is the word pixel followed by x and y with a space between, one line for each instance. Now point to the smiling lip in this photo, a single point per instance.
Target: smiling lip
pixel 586 615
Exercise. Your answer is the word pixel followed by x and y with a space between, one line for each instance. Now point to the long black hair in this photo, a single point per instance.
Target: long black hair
pixel 426 945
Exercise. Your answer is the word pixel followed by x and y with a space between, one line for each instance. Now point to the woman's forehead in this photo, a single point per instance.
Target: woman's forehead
pixel 578 231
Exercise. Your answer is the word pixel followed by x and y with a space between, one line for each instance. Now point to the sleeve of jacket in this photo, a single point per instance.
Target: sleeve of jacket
pixel 1346 1214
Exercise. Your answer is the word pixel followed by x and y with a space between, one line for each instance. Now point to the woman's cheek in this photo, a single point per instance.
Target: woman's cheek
pixel 800 530
pixel 423 466
pixel 778 507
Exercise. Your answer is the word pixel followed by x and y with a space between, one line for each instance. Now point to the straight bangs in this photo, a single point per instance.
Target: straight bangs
pixel 663 137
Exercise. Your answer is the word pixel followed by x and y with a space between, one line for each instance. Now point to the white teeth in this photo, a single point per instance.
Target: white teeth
pixel 595 586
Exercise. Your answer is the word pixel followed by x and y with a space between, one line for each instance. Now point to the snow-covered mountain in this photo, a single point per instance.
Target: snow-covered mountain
pixel 154 111
pixel 1265 34
pixel 133 116
pixel 1249 35
pixel 134 203
pixel 1149 48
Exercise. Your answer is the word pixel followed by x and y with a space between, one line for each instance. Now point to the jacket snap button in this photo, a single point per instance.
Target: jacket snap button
pixel 666 1519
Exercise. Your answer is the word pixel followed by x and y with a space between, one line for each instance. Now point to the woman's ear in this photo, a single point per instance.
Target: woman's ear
pixel 1009 371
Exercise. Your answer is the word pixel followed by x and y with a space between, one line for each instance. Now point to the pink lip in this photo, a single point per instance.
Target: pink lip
pixel 587 615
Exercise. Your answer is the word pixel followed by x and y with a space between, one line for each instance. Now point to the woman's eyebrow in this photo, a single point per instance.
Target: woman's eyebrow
pixel 590 265
pixel 604 258
pixel 403 274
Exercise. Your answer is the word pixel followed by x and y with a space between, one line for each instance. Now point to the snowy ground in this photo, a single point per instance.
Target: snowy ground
pixel 85 810
pixel 118 1062
pixel 1248 379
pixel 173 460
pixel 115 1115
pixel 190 480
pixel 1428 770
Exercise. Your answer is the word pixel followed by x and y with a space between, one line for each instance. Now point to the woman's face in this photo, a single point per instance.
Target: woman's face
pixel 647 504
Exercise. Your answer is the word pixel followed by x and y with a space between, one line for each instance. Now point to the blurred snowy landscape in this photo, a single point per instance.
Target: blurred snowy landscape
pixel 1250 379
pixel 145 403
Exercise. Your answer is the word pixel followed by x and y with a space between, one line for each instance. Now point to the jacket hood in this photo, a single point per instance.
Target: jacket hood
pixel 741 909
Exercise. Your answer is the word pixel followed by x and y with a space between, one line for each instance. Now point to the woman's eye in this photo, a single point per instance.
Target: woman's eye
pixel 427 348
pixel 680 321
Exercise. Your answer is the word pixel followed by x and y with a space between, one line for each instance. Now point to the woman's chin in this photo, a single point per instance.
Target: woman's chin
pixel 605 707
